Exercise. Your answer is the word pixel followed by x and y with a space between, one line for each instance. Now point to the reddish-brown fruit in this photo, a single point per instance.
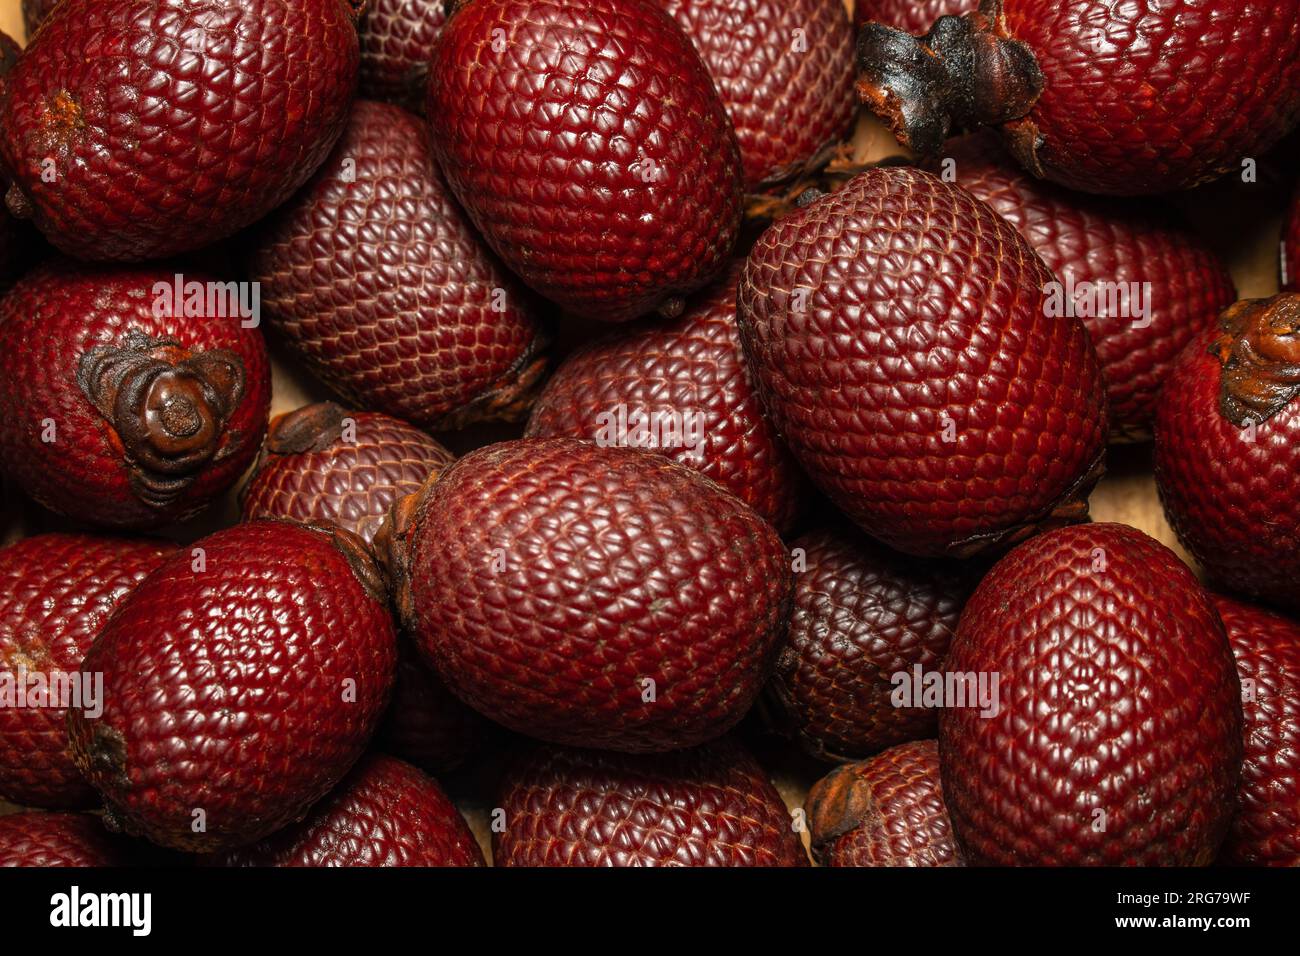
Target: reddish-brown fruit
pixel 384 813
pixel 588 144
pixel 914 16
pixel 136 129
pixel 61 839
pixel 1291 247
pixel 56 592
pixel 862 616
pixel 427 724
pixel 1154 285
pixel 899 335
pixel 590 596
pixel 378 283
pixel 119 406
pixel 680 387
pixel 1228 449
pixel 707 806
pixel 1114 735
pixel 397 38
pixel 886 811
pixel 241 682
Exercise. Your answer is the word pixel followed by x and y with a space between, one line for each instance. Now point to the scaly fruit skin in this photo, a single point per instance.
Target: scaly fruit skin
pixel 886 811
pixel 397 38
pixel 707 806
pixel 898 335
pixel 384 813
pixel 861 615
pixel 377 282
pixel 426 723
pixel 245 687
pixel 172 123
pixel 591 596
pixel 1097 240
pixel 613 197
pixel 1231 486
pixel 113 410
pixel 1291 248
pixel 322 463
pixel 61 839
pixel 690 372
pixel 914 16
pixel 56 592
pixel 1117 733
pixel 786 98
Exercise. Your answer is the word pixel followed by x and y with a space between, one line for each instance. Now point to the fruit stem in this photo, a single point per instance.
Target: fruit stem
pixel 1259 348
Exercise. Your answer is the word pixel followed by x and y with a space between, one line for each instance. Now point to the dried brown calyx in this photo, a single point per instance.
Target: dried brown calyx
pixel 839 803
pixel 310 428
pixel 168 404
pixel 1259 347
pixel 360 556
pixel 393 543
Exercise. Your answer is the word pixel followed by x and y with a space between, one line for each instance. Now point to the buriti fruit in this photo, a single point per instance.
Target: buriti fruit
pixel 587 142
pixel 591 596
pixel 62 839
pixel 384 813
pixel 1228 449
pixel 397 38
pixel 914 16
pixel 124 401
pixel 241 681
pixel 56 592
pixel 136 129
pixel 707 806
pixel 1123 98
pixel 1116 739
pixel 375 279
pixel 898 333
pixel 886 811
pixel 681 388
pixel 427 724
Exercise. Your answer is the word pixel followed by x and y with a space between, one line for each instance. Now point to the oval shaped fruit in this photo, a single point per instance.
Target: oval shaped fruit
pixel 914 16
pixel 397 38
pixel 1114 735
pixel 171 124
pixel 590 596
pixel 1121 98
pixel 1142 283
pixel 707 806
pixel 587 143
pixel 61 839
pixel 56 592
pixel 864 620
pixel 384 813
pixel 377 282
pixel 886 811
pixel 902 341
pixel 129 396
pixel 426 723
pixel 241 682
pixel 1228 449
pixel 1291 247
pixel 680 387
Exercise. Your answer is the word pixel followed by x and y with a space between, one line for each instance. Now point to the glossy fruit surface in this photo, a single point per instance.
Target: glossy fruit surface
pixel 886 811
pixel 172 123
pixel 591 596
pixel 427 724
pixel 56 592
pixel 707 806
pixel 60 839
pixel 384 813
pixel 681 387
pixel 1115 734
pixel 613 195
pixel 914 16
pixel 397 38
pixel 899 334
pixel 240 684
pixel 376 281
pixel 118 407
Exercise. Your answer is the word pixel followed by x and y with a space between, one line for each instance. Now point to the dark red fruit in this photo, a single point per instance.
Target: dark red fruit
pixel 61 839
pixel 378 283
pixel 136 129
pixel 397 38
pixel 914 16
pixel 1131 247
pixel 862 615
pixel 384 813
pixel 321 463
pixel 35 12
pixel 898 333
pixel 708 806
pixel 686 383
pixel 1291 248
pixel 1122 98
pixel 241 682
pixel 589 596
pixel 1116 732
pixel 56 592
pixel 886 811
pixel 118 409
pixel 1266 829
pixel 588 144
pixel 426 723
pixel 1228 449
